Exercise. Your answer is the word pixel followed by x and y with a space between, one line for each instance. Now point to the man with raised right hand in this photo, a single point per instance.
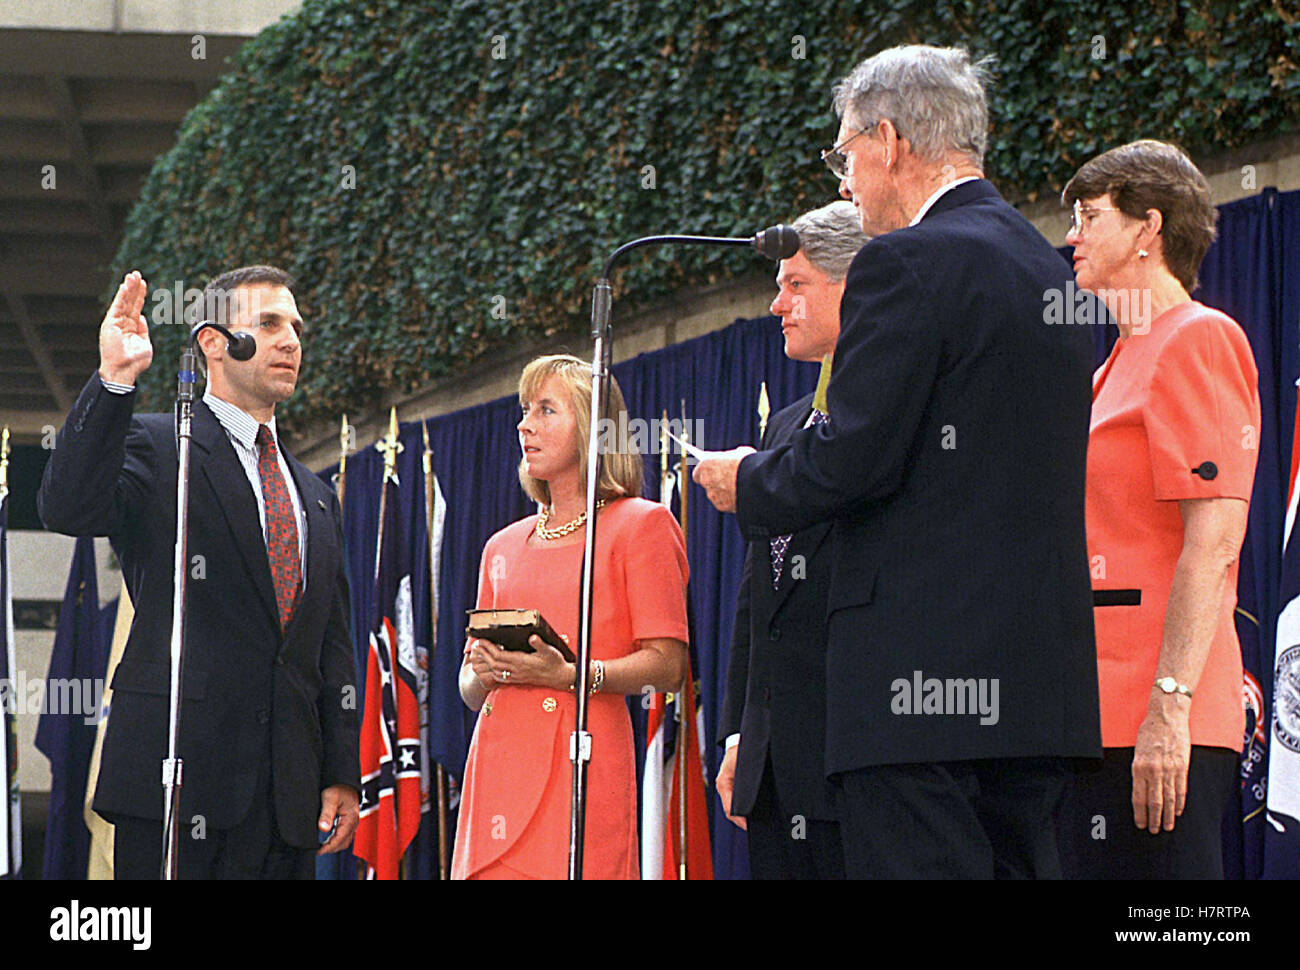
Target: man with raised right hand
pixel 269 725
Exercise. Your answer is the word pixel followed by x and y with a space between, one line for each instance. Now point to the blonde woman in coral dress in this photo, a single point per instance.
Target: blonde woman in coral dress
pixel 514 812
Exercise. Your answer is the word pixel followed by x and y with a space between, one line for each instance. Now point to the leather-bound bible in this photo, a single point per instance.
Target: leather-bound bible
pixel 512 628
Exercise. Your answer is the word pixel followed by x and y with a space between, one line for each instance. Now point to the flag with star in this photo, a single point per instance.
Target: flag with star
pixel 390 725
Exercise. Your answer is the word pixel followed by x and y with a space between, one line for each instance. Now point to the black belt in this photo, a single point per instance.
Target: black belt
pixel 1116 597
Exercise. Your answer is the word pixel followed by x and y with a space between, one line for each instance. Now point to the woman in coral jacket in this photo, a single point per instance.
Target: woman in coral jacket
pixel 1171 461
pixel 514 814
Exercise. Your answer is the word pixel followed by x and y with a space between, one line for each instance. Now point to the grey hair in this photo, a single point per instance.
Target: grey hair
pixel 933 95
pixel 830 237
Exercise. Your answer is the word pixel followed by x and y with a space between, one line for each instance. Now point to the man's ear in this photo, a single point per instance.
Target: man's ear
pixel 213 344
pixel 890 139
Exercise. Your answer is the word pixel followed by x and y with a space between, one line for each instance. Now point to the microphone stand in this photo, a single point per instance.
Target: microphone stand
pixel 778 242
pixel 172 764
pixel 171 767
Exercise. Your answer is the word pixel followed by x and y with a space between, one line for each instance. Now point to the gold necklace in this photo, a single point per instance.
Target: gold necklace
pixel 561 530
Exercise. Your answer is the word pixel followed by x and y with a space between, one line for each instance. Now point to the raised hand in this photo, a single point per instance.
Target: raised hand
pixel 124 348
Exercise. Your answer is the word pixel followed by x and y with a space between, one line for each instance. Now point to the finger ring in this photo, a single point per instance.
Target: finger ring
pixel 505 675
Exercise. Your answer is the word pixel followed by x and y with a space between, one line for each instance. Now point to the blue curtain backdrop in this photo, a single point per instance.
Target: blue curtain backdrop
pixel 1250 273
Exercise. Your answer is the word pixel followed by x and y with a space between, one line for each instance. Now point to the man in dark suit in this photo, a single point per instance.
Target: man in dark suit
pixel 269 726
pixel 772 780
pixel 961 674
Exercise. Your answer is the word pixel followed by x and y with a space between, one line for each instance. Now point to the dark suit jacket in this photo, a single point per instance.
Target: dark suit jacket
pixel 776 677
pixel 250 692
pixel 953 471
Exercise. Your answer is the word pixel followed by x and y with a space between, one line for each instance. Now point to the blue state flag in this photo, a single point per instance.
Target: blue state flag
pixel 66 733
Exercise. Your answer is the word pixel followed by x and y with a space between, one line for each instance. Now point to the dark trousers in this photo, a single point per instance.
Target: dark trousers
pixel 252 849
pixel 952 820
pixel 1099 840
pixel 786 845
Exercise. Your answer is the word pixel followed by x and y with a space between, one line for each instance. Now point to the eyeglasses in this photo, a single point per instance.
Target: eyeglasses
pixel 1081 219
pixel 836 160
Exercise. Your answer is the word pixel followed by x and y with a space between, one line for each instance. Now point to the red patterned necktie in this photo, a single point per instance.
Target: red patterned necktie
pixel 281 529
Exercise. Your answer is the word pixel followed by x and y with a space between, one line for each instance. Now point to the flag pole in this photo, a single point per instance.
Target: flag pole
pixel 341 479
pixel 4 464
pixel 389 447
pixel 685 718
pixel 340 488
pixel 665 495
pixel 440 775
pixel 11 861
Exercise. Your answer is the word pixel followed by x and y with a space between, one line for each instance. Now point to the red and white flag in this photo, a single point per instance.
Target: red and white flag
pixel 391 755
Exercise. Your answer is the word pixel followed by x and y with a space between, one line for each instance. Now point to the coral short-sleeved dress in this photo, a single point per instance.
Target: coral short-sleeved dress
pixel 514 811
pixel 1175 415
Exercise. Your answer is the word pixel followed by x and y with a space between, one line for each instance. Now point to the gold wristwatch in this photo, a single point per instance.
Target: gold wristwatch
pixel 1171 686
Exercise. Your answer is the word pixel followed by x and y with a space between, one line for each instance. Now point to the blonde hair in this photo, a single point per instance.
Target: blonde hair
pixel 621 471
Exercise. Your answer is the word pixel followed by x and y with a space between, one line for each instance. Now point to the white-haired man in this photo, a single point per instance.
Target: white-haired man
pixel 961 674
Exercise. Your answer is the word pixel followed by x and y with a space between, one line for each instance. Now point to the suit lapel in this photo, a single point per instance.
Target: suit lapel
pixel 234 496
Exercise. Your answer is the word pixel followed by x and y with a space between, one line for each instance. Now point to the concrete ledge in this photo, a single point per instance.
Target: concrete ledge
pixel 242 19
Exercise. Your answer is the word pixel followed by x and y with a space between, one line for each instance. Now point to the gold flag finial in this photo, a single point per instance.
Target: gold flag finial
pixel 390 447
pixel 764 409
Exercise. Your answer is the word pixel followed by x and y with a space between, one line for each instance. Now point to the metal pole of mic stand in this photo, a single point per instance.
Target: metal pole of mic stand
pixel 171 766
pixel 779 242
pixel 580 740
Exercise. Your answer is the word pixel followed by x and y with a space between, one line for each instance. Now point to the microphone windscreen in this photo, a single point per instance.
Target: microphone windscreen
pixel 241 346
pixel 777 242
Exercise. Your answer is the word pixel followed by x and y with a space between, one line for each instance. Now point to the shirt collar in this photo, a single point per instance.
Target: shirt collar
pixel 935 198
pixel 239 424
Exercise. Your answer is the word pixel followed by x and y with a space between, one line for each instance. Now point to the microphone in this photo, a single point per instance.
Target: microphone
pixel 776 242
pixel 240 346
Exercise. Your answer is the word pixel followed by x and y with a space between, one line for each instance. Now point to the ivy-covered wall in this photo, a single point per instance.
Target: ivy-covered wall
pixel 443 176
